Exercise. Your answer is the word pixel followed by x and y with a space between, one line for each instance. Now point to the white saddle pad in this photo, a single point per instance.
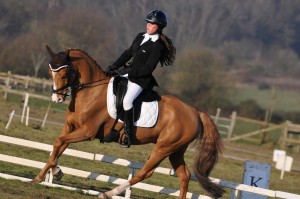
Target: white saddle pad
pixel 149 110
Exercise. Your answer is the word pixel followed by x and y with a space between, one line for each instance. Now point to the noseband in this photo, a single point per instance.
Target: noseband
pixel 70 82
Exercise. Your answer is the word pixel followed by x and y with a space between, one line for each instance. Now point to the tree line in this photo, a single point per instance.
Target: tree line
pixel 215 40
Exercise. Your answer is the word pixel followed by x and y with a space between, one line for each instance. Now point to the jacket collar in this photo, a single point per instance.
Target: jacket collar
pixel 148 37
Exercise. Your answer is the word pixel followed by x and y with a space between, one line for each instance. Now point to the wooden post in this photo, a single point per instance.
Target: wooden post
pixel 232 124
pixel 24 106
pixel 284 135
pixel 27 82
pixel 217 115
pixel 131 174
pixel 27 115
pixel 234 194
pixel 265 125
pixel 11 115
pixel 46 115
pixel 7 82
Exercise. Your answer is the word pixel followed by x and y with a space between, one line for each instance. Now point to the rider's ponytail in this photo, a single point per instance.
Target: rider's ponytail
pixel 168 56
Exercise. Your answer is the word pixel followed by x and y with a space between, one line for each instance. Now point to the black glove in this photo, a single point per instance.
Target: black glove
pixel 110 70
pixel 123 70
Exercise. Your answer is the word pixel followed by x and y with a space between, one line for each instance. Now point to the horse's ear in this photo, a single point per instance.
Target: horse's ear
pixel 67 52
pixel 51 53
pixel 67 56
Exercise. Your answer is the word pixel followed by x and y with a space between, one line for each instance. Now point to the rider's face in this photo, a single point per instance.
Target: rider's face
pixel 151 28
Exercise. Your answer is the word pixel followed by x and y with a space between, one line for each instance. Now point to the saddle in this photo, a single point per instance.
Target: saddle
pixel 119 89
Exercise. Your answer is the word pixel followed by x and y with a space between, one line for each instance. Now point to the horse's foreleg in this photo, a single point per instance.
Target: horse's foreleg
pixel 59 146
pixel 178 163
pixel 56 171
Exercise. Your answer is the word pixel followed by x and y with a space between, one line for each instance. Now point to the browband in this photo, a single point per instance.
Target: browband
pixel 57 69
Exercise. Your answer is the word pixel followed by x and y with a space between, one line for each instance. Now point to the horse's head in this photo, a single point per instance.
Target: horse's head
pixel 61 72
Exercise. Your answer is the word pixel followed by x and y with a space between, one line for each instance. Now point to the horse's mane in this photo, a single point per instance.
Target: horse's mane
pixel 86 55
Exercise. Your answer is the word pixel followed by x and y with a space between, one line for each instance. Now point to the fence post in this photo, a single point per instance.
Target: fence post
pixel 46 115
pixel 24 106
pixel 11 115
pixel 217 115
pixel 27 115
pixel 284 135
pixel 7 82
pixel 27 82
pixel 234 194
pixel 131 174
pixel 232 124
pixel 265 125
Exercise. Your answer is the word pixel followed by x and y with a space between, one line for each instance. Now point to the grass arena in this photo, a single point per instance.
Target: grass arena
pixel 228 168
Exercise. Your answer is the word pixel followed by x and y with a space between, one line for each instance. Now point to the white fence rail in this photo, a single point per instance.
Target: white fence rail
pixel 86 174
pixel 12 177
pixel 236 188
pixel 25 82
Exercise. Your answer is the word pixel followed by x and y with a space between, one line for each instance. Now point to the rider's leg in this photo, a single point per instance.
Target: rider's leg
pixel 133 90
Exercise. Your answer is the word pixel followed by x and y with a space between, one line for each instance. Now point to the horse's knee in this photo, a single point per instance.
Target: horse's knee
pixel 57 143
pixel 141 175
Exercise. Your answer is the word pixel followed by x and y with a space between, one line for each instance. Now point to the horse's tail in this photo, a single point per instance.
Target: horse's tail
pixel 209 146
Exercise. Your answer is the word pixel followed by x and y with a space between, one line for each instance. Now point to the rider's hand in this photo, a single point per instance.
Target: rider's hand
pixel 122 71
pixel 110 70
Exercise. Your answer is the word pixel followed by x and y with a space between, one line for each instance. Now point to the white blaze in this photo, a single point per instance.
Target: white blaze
pixel 54 95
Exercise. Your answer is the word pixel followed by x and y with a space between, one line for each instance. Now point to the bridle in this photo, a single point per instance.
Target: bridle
pixel 69 73
pixel 71 82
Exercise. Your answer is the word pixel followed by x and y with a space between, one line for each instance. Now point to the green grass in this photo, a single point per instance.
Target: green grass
pixel 228 169
pixel 284 100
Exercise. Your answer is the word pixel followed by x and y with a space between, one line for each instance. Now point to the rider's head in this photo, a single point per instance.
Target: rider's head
pixel 157 17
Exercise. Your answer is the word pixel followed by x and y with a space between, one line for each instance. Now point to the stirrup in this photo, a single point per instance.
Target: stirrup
pixel 125 141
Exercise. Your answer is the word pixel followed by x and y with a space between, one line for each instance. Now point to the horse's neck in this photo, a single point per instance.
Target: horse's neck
pixel 88 73
pixel 94 83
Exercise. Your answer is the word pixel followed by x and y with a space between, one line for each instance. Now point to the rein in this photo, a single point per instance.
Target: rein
pixel 71 83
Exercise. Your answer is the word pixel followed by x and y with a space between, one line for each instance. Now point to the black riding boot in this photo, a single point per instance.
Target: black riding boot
pixel 128 128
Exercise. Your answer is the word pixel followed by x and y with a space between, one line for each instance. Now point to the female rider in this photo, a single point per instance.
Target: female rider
pixel 144 54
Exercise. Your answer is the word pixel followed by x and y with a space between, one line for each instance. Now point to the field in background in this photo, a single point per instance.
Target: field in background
pixel 284 100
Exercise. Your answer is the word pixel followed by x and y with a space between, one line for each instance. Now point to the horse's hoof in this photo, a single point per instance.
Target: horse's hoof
pixel 103 196
pixel 34 181
pixel 58 175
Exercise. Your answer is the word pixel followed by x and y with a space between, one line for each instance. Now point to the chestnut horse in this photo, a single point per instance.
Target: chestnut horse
pixel 87 118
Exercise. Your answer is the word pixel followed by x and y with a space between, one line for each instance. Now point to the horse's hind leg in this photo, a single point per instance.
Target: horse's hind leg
pixel 157 155
pixel 178 163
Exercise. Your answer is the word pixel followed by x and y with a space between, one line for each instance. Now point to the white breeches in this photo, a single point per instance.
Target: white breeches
pixel 133 90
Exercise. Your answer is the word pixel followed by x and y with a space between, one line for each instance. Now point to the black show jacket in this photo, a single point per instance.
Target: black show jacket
pixel 146 58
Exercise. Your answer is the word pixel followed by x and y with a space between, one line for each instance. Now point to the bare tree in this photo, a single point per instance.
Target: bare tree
pixel 37 62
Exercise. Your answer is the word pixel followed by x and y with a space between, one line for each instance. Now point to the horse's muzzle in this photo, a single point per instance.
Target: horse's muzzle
pixel 58 98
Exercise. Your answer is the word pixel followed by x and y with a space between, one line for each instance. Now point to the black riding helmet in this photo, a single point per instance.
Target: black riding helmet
pixel 157 17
